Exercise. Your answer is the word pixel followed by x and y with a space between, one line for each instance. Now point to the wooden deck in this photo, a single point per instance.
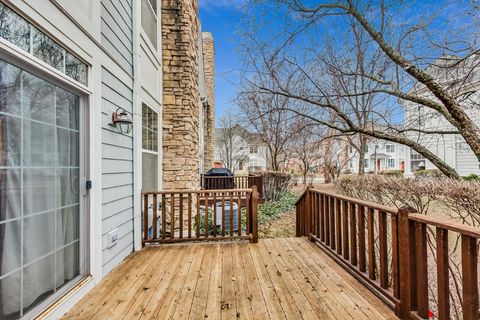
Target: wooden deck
pixel 274 279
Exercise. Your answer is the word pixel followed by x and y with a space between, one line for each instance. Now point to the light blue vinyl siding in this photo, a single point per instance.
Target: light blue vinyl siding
pixel 117 174
pixel 117 35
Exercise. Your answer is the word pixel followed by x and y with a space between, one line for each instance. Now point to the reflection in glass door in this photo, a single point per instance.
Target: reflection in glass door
pixel 39 190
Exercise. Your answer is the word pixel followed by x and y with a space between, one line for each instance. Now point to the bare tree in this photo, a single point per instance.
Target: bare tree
pixel 230 150
pixel 306 149
pixel 390 59
pixel 266 115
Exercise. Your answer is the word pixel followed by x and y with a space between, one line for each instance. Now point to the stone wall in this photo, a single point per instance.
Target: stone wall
pixel 180 29
pixel 209 62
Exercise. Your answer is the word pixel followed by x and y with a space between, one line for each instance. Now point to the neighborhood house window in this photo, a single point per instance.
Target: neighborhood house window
pixel 366 148
pixel 253 149
pixel 416 156
pixel 150 149
pixel 366 163
pixel 22 34
pixel 149 20
pixel 390 148
pixel 391 163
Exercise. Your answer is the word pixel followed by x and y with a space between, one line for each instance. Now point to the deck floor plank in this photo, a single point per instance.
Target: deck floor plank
pixel 212 307
pixel 274 279
pixel 339 287
pixel 242 301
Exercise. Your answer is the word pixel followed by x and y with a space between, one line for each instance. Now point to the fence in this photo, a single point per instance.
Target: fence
pixel 387 250
pixel 236 182
pixel 200 215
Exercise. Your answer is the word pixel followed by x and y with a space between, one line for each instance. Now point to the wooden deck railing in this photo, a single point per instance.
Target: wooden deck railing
pixel 200 215
pixel 236 182
pixel 386 249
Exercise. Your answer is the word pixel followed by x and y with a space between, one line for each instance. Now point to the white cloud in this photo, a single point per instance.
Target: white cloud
pixel 211 5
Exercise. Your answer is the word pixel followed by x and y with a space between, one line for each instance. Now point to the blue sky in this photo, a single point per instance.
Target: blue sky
pixel 222 19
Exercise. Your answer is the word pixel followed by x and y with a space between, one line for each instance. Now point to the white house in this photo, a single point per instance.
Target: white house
pixel 72 75
pixel 380 155
pixel 249 152
pixel 464 81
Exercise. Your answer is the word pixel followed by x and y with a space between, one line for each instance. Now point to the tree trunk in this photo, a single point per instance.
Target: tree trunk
pixel 361 160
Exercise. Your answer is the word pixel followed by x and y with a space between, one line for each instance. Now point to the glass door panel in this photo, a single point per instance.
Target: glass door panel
pixel 39 190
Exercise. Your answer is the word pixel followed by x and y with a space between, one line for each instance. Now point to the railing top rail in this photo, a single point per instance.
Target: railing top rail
pixel 196 191
pixel 446 223
pixel 367 204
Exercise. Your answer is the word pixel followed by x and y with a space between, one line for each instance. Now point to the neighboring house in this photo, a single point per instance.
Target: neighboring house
pixel 380 155
pixel 245 153
pixel 71 180
pixel 464 81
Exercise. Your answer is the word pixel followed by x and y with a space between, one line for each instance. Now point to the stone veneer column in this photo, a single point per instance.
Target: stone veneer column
pixel 209 65
pixel 180 28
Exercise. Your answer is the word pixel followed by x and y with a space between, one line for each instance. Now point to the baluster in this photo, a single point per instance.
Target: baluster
pixel 164 216
pixel 172 215
pixel 239 206
pixel 145 217
pixel 442 274
pixel 207 195
pixel 395 258
pixel 470 277
pixel 231 214
pixel 317 214
pixel 361 240
pixel 181 215
pixel 421 269
pixel 382 239
pixel 223 214
pixel 214 214
pixel 322 218
pixel 339 226
pixel 198 214
pixel 327 220
pixel 154 224
pixel 353 234
pixel 331 213
pixel 371 244
pixel 189 215
pixel 346 255
pixel 249 231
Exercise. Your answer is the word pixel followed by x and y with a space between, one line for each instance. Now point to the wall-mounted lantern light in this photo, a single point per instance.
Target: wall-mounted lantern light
pixel 122 121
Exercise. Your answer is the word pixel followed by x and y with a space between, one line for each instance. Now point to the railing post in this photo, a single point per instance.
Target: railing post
pixel 254 224
pixel 406 256
pixel 308 214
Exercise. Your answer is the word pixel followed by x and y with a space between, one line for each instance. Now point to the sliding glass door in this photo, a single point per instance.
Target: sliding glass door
pixel 40 202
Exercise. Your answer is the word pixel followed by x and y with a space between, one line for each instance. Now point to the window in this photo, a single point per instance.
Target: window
pixel 19 32
pixel 366 163
pixel 150 149
pixel 40 202
pixel 391 163
pixel 366 148
pixel 149 129
pixel 390 148
pixel 150 20
pixel 351 164
pixel 416 156
pixel 253 149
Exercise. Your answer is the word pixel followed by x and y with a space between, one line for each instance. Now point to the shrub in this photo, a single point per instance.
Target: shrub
pixel 472 177
pixel 273 209
pixel 428 173
pixel 397 173
pixel 275 184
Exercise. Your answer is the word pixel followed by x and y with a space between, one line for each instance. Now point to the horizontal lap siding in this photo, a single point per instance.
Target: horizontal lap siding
pixel 116 29
pixel 117 174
